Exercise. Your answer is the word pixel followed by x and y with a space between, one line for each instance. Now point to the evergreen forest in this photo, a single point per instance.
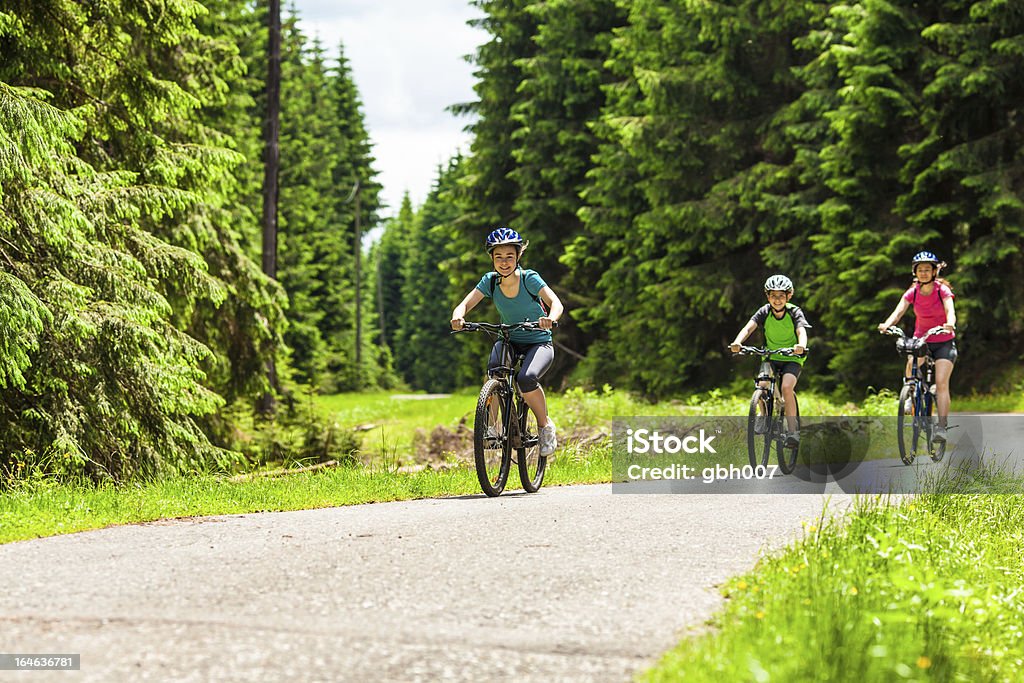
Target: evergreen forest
pixel 663 157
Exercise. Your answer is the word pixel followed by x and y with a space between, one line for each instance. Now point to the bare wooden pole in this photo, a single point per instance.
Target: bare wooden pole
pixel 272 162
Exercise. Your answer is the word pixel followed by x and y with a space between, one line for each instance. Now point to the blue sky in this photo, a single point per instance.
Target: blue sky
pixel 407 59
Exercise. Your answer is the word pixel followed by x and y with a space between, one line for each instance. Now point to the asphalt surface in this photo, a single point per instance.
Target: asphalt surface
pixel 572 583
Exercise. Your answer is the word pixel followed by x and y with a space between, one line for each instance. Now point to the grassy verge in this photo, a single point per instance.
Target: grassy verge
pixel 39 507
pixel 395 418
pixel 391 424
pixel 927 589
pixel 43 509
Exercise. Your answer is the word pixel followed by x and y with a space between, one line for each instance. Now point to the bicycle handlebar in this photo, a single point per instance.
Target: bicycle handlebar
pixel 501 327
pixel 894 331
pixel 757 351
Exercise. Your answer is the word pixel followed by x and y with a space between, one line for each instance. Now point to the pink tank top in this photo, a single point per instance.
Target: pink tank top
pixel 929 310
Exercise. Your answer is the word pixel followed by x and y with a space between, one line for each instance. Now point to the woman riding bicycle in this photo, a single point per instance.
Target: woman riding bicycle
pixel 932 300
pixel 519 295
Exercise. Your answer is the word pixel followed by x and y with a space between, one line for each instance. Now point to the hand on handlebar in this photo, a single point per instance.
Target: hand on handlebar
pixel 458 323
pixel 546 323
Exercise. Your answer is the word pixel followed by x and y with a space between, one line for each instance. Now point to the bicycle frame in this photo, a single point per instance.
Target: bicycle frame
pixel 774 432
pixel 512 413
pixel 922 376
pixel 922 400
pixel 513 403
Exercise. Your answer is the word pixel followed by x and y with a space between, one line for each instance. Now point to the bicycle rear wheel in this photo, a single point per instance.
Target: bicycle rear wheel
pixel 759 432
pixel 492 447
pixel 907 427
pixel 787 454
pixel 527 441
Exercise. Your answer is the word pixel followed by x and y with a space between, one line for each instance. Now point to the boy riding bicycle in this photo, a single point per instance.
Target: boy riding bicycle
pixel 784 326
pixel 519 295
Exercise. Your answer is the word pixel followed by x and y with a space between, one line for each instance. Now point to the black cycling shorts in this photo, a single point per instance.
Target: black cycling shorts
pixel 943 350
pixel 786 367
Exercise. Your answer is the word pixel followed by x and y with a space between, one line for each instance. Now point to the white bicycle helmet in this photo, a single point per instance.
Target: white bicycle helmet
pixel 778 283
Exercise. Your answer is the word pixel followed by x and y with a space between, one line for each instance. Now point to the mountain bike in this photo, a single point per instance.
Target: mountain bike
pixel 917 398
pixel 766 425
pixel 504 423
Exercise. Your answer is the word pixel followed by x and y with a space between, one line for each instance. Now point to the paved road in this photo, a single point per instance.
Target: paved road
pixel 572 583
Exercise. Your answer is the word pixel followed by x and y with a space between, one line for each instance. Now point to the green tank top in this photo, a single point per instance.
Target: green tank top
pixel 780 333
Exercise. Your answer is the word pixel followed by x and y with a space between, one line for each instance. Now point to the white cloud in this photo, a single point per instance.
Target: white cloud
pixel 408 159
pixel 406 58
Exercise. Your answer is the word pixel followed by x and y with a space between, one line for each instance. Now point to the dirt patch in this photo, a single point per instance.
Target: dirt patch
pixel 444 447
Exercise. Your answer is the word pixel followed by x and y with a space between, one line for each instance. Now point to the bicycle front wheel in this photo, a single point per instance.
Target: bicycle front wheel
pixel 492 447
pixel 787 454
pixel 759 432
pixel 907 430
pixel 527 441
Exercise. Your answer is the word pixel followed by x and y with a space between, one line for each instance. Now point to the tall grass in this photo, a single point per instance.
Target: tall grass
pixel 925 589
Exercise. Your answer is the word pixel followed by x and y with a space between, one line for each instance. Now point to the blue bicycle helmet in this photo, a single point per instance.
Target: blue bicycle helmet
pixel 503 236
pixel 925 257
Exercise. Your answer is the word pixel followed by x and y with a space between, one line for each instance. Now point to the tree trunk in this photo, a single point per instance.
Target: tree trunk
pixel 359 297
pixel 272 160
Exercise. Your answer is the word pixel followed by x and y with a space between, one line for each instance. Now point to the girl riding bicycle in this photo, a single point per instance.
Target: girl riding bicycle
pixel 519 295
pixel 932 300
pixel 785 326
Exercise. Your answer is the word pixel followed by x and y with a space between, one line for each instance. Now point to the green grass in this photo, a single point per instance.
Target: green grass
pixel 396 421
pixel 399 418
pixel 924 590
pixel 40 507
pixel 45 509
pixel 990 403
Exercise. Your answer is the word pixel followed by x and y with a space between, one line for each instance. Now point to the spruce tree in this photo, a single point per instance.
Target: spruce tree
pixel 424 354
pixel 104 189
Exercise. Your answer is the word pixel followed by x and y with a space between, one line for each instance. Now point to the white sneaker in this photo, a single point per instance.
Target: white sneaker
pixel 491 436
pixel 760 424
pixel 548 442
pixel 939 435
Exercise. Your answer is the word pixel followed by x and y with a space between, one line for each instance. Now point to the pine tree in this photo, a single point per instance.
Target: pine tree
pixel 353 168
pixel 102 186
pixel 487 192
pixel 676 203
pixel 559 101
pixel 424 354
pixel 391 254
pixel 962 178
pixel 313 246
